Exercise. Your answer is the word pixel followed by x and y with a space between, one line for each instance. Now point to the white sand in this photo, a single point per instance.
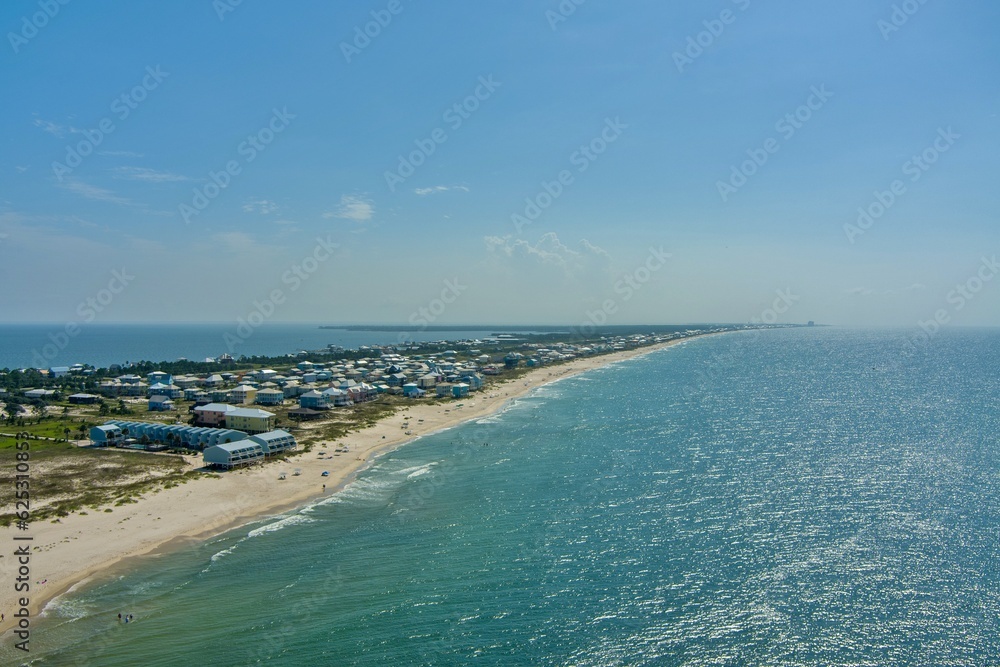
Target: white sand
pixel 73 550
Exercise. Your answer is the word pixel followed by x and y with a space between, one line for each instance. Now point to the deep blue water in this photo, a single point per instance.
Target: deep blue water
pixel 793 497
pixel 46 345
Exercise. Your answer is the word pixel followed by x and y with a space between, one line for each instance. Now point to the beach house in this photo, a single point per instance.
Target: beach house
pixel 411 390
pixel 108 435
pixel 314 400
pixel 159 377
pixel 250 420
pixel 160 403
pixel 275 442
pixel 182 435
pixel 213 414
pixel 39 393
pixel 242 394
pixel 234 454
pixel 270 397
pixel 337 397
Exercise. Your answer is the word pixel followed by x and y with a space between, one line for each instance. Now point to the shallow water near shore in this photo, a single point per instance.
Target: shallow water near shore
pixel 796 497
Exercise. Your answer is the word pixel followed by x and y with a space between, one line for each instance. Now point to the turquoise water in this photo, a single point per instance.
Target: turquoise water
pixel 798 497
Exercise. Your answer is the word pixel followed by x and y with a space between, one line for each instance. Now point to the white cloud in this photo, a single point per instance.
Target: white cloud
pixel 261 206
pixel 55 129
pixel 353 207
pixel 147 175
pixel 21 169
pixel 550 252
pixel 439 188
pixel 120 154
pixel 95 193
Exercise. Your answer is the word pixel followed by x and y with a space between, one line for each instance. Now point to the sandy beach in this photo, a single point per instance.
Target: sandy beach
pixel 78 547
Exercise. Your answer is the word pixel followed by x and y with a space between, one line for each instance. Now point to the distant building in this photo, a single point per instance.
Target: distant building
pixel 314 400
pixel 160 403
pixel 59 371
pixel 411 390
pixel 242 394
pixel 159 377
pixel 83 399
pixel 39 393
pixel 270 397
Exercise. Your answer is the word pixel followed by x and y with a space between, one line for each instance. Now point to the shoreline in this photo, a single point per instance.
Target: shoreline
pixel 104 542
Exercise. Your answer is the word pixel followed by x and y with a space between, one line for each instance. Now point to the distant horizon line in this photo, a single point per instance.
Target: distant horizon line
pixel 400 325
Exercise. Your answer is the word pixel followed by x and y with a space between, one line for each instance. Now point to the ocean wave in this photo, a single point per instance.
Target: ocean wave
pixel 67 607
pixel 422 470
pixel 225 552
pixel 293 520
pixel 374 489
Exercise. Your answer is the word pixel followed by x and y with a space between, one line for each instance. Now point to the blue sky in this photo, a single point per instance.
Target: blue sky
pixel 199 82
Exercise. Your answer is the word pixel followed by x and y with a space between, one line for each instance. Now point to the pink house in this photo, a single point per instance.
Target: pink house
pixel 213 414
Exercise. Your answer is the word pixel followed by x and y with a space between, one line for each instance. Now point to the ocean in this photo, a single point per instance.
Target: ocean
pixel 100 345
pixel 790 497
